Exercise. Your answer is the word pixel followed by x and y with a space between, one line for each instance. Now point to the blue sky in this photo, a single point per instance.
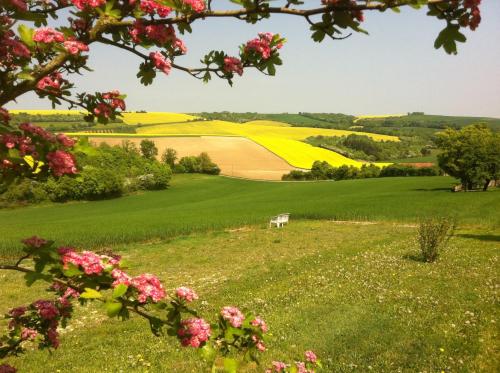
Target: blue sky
pixel 395 69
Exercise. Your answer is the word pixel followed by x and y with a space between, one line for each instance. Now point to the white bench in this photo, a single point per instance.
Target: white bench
pixel 279 220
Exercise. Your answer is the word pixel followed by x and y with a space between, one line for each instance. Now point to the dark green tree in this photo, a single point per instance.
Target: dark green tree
pixel 169 157
pixel 471 154
pixel 149 149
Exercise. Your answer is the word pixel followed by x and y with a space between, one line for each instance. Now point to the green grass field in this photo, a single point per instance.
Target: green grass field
pixel 201 203
pixel 354 293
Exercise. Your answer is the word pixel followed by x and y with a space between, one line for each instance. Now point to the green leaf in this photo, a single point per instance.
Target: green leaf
pixel 230 365
pixel 208 352
pixel 120 290
pixel 113 308
pixel 26 35
pixel 71 270
pixel 90 294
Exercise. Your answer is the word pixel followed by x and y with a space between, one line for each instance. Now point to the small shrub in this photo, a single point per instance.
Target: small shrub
pixel 433 234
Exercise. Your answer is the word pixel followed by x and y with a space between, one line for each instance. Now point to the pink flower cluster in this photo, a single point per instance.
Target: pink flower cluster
pixel 120 277
pixel 51 83
pixel 474 18
pixel 48 35
pixel 148 286
pixel 198 6
pixel 311 357
pixel 152 7
pixel 34 242
pixel 277 366
pixel 4 115
pixel 186 294
pixel 82 4
pixel 258 322
pixel 62 163
pixel 233 64
pixel 194 332
pixel 258 343
pixel 6 368
pixel 112 101
pixel 75 47
pixel 158 34
pixel 19 5
pixel 46 309
pixel 233 315
pixel 160 62
pixel 11 49
pixel 65 140
pixel 28 334
pixel 91 263
pixel 263 45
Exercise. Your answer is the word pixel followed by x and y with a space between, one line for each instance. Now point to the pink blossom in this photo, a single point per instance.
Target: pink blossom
pixel 19 4
pixel 120 277
pixel 259 343
pixel 82 4
pixel 48 35
pixel 37 131
pixel 17 312
pixel 279 366
pixel 9 140
pixel 198 6
pixel 233 315
pixel 311 356
pixel 151 6
pixel 115 100
pixel 194 332
pixel 91 263
pixel 103 110
pixel 53 336
pixel 148 286
pixel 15 47
pixel 160 62
pixel 301 367
pixel 65 140
pixel 61 163
pixel 6 368
pixel 46 309
pixel 259 323
pixel 4 115
pixel 34 242
pixel 28 333
pixel 75 47
pixel 186 294
pixel 233 64
pixel 51 83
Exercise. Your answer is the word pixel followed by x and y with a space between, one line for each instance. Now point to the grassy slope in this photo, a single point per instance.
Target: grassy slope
pixel 350 292
pixel 196 203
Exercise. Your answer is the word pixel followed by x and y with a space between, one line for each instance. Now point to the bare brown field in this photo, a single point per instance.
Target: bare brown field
pixel 236 156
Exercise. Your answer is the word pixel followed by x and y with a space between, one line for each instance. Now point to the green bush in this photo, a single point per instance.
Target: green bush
pixel 200 164
pixel 157 176
pixel 433 234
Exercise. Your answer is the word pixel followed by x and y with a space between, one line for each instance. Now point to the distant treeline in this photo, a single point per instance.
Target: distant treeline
pixel 365 148
pixel 324 171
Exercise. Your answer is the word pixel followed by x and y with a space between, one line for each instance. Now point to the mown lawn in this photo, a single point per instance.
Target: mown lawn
pixel 197 203
pixel 355 293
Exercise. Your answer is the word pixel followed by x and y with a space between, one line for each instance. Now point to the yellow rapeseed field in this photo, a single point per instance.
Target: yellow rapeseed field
pixel 278 137
pixel 156 117
pixel 282 140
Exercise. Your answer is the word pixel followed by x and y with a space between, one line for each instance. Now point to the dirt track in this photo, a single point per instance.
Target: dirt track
pixel 236 156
